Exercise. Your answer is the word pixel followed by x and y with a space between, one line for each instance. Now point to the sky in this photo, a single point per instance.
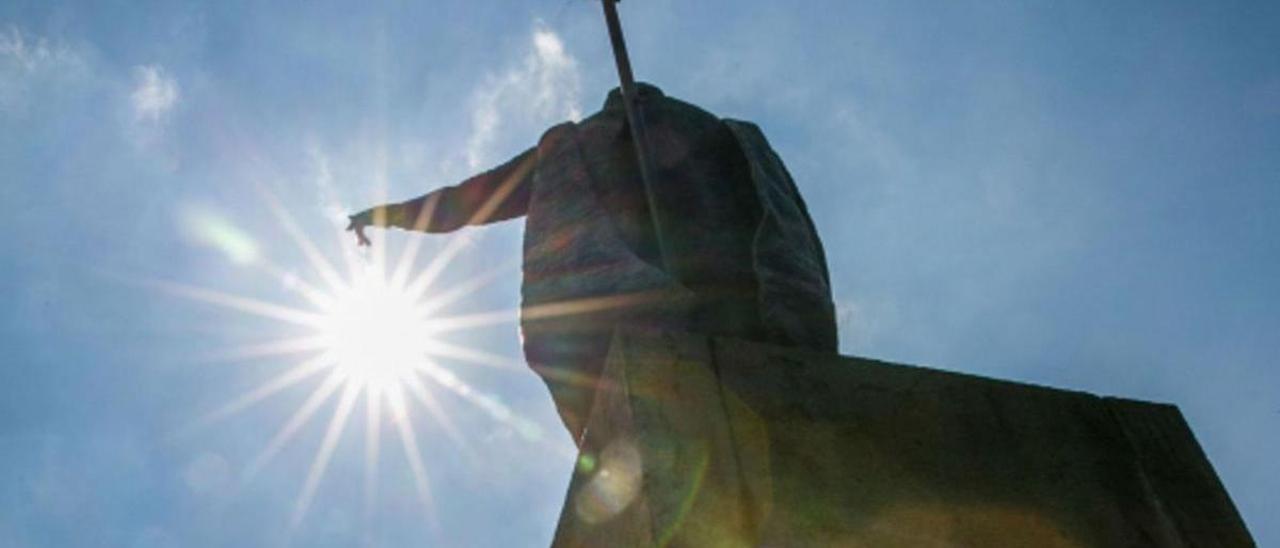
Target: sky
pixel 1079 195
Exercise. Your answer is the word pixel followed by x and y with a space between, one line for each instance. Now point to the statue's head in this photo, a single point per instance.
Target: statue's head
pixel 644 89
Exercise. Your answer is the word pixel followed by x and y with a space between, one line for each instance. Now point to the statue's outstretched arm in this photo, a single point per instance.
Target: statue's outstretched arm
pixel 496 195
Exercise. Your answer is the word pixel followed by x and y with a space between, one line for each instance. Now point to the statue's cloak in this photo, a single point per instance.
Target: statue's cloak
pixel 745 259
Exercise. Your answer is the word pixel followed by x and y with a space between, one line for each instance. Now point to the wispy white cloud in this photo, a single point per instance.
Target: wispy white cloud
pixel 153 97
pixel 26 61
pixel 19 51
pixel 543 87
pixel 154 93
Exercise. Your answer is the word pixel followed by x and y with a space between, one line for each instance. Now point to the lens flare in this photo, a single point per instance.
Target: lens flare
pixel 613 485
pixel 208 228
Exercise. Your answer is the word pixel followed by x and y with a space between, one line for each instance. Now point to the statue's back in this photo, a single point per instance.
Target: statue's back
pixel 745 260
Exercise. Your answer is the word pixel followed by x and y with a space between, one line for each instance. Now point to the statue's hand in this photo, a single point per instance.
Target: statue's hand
pixel 382 216
pixel 357 224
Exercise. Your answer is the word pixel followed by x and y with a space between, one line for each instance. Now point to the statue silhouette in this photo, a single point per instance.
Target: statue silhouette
pixel 742 256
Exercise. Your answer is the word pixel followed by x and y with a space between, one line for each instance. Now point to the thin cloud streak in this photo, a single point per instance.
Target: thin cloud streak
pixel 543 87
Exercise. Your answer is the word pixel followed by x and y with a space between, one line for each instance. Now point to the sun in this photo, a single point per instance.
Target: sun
pixel 375 333
pixel 362 328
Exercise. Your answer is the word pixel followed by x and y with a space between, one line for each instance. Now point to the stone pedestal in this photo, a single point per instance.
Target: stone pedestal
pixel 697 441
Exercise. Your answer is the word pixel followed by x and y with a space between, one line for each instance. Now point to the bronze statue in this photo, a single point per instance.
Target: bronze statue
pixel 742 256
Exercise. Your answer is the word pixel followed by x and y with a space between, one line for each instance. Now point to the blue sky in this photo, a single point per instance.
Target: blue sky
pixel 1078 195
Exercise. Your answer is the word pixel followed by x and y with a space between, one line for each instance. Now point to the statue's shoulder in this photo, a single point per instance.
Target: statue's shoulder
pixel 557 135
pixel 560 129
pixel 751 140
pixel 743 129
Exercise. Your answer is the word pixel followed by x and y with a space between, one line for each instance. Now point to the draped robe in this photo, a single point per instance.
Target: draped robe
pixel 743 257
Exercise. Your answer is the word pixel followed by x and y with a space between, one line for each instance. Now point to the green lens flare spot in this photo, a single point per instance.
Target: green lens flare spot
pixel 586 463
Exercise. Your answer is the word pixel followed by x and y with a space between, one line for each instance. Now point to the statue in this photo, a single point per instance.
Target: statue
pixel 742 256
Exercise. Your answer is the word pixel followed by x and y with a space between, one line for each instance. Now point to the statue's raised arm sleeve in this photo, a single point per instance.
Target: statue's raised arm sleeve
pixel 496 195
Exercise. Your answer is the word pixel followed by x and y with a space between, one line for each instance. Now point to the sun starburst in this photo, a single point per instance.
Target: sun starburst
pixel 375 333
pixel 371 332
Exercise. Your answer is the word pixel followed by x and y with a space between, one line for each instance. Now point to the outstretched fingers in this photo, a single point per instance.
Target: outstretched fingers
pixel 361 239
pixel 357 225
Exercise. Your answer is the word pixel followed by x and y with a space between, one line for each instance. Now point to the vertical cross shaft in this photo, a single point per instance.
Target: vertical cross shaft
pixel 635 119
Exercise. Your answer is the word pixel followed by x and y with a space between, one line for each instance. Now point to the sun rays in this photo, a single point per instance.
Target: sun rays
pixel 367 333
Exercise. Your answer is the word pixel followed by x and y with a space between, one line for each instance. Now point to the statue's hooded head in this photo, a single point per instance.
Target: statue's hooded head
pixel 644 89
